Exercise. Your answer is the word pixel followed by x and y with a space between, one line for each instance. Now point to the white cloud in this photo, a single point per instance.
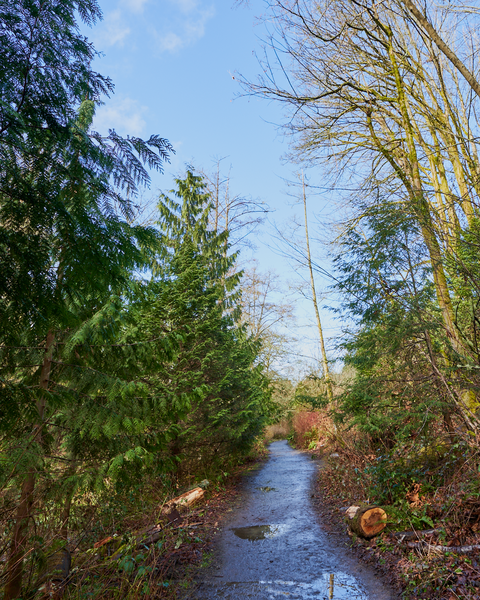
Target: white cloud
pixel 191 29
pixel 186 6
pixel 135 5
pixel 112 31
pixel 125 115
pixel 170 42
pixel 196 29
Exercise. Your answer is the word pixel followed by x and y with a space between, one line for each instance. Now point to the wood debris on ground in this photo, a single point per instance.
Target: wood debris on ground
pixel 441 563
pixel 166 545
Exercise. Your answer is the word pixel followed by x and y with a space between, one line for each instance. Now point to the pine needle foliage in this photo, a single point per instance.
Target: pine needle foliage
pixel 214 394
pixel 67 252
pixel 396 332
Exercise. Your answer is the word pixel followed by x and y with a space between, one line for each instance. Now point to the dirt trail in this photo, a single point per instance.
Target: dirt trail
pixel 274 547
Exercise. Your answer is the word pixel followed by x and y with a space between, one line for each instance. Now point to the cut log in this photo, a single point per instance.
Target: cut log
pixel 351 511
pixel 183 501
pixel 366 521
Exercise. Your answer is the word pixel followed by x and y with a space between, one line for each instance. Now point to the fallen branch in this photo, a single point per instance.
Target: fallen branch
pixel 111 546
pixel 150 535
pixel 414 534
pixel 443 549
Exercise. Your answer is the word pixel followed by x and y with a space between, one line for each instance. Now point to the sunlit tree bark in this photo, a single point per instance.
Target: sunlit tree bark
pixel 326 369
pixel 379 100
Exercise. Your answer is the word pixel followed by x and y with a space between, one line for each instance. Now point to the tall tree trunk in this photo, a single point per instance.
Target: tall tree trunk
pixel 18 549
pixel 326 370
pixel 422 20
pixel 421 209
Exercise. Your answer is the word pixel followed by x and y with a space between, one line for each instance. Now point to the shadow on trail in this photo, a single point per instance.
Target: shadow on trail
pixel 274 547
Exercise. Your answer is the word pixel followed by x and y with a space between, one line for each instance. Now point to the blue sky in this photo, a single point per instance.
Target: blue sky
pixel 175 66
pixel 173 63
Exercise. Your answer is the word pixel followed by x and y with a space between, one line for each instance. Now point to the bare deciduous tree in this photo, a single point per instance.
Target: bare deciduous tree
pixel 380 96
pixel 267 315
pixel 240 215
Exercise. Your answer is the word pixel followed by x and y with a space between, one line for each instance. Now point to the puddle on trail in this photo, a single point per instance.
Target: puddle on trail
pixel 259 532
pixel 331 586
pixel 273 548
pixel 334 586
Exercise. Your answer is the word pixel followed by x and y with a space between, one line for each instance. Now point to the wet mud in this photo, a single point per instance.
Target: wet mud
pixel 274 546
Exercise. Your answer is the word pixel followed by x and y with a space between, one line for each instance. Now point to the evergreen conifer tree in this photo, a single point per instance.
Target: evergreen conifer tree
pixel 215 395
pixel 91 254
pixel 66 244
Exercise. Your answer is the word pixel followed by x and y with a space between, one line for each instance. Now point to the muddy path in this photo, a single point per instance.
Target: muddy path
pixel 273 545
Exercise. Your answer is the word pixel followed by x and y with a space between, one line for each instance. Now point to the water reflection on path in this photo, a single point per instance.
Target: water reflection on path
pixel 332 586
pixel 274 546
pixel 260 532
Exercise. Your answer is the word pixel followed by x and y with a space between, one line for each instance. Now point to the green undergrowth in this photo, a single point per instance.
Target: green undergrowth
pixel 120 568
pixel 434 489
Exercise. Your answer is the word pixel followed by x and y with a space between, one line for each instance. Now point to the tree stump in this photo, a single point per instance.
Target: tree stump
pixel 53 577
pixel 57 566
pixel 366 521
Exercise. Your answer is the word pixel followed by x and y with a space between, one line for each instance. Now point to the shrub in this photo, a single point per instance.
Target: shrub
pixel 306 427
pixel 278 431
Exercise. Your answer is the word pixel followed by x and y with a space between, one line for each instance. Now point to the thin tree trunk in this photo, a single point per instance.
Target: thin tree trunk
pixel 67 505
pixel 444 186
pixel 217 197
pixel 19 539
pixel 18 549
pixel 326 370
pixel 227 215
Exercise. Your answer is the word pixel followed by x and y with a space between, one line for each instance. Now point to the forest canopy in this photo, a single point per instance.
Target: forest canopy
pixel 122 352
pixel 138 356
